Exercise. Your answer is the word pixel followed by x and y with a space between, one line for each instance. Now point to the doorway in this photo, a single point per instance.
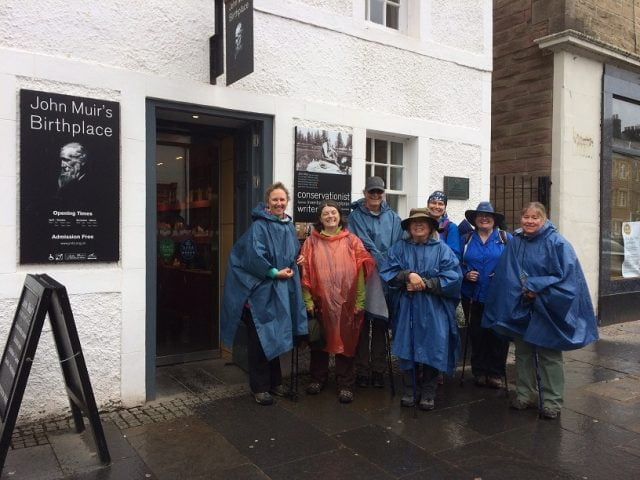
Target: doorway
pixel 205 170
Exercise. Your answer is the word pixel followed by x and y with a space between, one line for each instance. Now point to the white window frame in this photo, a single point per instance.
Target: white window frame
pixel 402 14
pixel 370 164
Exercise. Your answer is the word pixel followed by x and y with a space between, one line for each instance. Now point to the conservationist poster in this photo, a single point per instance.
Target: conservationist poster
pixel 69 179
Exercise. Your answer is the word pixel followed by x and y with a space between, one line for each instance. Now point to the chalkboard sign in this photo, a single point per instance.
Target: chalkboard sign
pixel 41 295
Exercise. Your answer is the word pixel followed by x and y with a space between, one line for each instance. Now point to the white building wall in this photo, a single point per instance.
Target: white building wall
pixel 316 64
pixel 575 173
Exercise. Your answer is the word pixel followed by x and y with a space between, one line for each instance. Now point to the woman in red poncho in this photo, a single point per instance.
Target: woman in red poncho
pixel 336 264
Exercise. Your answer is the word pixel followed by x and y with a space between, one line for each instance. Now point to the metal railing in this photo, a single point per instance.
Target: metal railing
pixel 510 193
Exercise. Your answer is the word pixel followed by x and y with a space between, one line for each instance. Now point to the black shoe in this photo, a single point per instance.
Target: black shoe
pixel 427 404
pixel 550 413
pixel 278 391
pixel 345 396
pixel 362 381
pixel 314 388
pixel 377 380
pixel 407 400
pixel 263 398
pixel 479 381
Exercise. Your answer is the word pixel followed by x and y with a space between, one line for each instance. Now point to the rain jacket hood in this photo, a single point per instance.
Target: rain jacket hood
pixel 276 305
pixel 330 273
pixel 561 316
pixel 424 324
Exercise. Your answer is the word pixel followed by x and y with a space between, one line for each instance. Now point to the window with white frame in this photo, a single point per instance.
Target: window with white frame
pixel 385 159
pixel 622 198
pixel 389 13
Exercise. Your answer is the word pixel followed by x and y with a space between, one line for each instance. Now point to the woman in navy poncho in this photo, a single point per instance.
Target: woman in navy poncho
pixel 427 278
pixel 539 297
pixel 262 289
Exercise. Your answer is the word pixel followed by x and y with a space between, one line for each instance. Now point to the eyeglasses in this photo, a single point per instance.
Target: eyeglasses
pixel 375 192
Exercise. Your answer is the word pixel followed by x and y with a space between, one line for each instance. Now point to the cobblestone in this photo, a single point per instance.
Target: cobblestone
pixel 29 435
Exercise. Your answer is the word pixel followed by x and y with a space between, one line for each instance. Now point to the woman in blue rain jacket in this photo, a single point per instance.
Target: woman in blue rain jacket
pixel 427 280
pixel 539 296
pixel 262 288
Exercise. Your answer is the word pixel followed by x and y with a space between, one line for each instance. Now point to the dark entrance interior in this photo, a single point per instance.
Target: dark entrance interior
pixel 206 173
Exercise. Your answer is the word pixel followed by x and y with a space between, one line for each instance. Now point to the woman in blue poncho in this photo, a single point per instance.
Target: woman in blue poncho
pixel 262 289
pixel 425 276
pixel 540 298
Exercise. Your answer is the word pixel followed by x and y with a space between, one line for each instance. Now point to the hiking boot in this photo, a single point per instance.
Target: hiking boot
pixel 494 382
pixel 345 396
pixel 278 391
pixel 550 413
pixel 377 380
pixel 440 378
pixel 427 404
pixel 263 398
pixel 517 404
pixel 362 381
pixel 314 388
pixel 407 400
pixel 479 381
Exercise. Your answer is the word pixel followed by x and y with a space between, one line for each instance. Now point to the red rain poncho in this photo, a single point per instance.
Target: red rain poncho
pixel 330 274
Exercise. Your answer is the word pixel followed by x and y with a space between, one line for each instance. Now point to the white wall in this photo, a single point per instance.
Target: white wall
pixel 316 64
pixel 575 173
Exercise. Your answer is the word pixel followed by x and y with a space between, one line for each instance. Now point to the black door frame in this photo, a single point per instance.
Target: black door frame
pixel 254 163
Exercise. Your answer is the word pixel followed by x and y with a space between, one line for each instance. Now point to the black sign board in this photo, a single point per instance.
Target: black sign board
pixel 456 188
pixel 69 179
pixel 41 295
pixel 238 26
pixel 322 171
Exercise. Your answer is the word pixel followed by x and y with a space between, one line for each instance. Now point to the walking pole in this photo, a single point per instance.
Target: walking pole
pixel 466 341
pixel 392 384
pixel 293 374
pixel 413 360
pixel 538 382
pixel 506 385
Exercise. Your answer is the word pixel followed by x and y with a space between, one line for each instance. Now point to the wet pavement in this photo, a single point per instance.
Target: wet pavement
pixel 204 425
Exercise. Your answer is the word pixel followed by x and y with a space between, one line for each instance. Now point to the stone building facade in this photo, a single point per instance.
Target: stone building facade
pixel 410 87
pixel 563 121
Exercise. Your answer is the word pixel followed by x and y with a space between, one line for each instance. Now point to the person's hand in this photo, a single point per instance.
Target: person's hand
pixel 415 283
pixel 472 275
pixel 358 311
pixel 300 260
pixel 285 273
pixel 528 294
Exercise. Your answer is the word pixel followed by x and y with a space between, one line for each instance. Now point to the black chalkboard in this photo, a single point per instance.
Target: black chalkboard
pixel 41 295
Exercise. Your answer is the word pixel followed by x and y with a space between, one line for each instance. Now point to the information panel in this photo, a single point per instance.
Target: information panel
pixel 69 179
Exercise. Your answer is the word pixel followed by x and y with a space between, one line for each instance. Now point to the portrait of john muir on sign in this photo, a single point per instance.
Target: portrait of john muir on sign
pixel 73 183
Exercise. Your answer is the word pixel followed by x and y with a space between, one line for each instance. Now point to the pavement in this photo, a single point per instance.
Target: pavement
pixel 205 425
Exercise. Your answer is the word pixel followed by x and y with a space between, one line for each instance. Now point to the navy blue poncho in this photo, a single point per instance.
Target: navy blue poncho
pixel 561 316
pixel 424 327
pixel 276 305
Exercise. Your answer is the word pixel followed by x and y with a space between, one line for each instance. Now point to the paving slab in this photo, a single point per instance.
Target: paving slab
pixel 34 463
pixel 268 436
pixel 389 451
pixel 183 448
pixel 340 464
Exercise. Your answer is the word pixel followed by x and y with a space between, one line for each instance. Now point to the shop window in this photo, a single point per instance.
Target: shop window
pixel 623 171
pixel 389 13
pixel 622 198
pixel 385 159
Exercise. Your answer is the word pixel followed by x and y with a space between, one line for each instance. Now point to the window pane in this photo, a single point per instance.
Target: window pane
pixel 396 178
pixel 396 153
pixel 625 211
pixel 380 151
pixel 392 17
pixel 393 201
pixel 381 172
pixel 376 11
pixel 368 159
pixel 626 124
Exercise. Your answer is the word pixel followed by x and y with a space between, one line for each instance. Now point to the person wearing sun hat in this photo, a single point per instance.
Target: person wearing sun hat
pixel 425 279
pixel 481 251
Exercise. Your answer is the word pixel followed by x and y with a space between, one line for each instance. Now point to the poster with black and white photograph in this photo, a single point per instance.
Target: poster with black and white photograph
pixel 69 179
pixel 322 171
pixel 239 39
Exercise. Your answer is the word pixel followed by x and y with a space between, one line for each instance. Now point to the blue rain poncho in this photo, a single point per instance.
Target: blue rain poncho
pixel 561 316
pixel 424 326
pixel 377 232
pixel 276 305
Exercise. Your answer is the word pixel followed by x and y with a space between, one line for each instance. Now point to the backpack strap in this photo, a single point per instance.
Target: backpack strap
pixel 503 236
pixel 467 239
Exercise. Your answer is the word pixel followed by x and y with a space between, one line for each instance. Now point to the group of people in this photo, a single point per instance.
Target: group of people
pixel 378 273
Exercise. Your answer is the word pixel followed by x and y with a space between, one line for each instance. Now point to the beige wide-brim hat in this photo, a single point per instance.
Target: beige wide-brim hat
pixel 422 214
